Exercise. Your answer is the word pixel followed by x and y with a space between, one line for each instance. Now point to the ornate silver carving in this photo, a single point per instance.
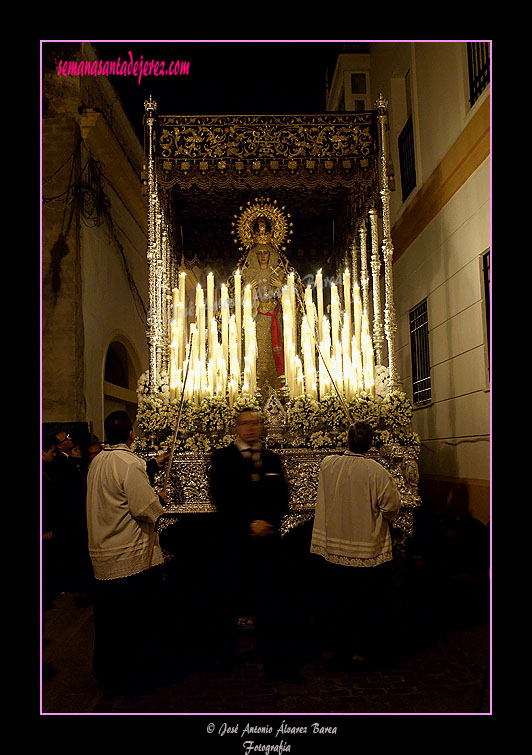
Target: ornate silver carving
pixel 364 277
pixel 390 323
pixel 379 339
pixel 188 485
pixel 275 421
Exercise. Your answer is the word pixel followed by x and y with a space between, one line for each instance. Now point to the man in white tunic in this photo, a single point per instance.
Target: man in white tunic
pixel 122 509
pixel 356 499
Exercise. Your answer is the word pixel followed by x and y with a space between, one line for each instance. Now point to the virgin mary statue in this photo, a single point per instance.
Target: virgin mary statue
pixel 261 228
pixel 265 276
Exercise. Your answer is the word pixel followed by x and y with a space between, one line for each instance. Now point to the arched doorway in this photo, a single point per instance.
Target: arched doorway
pixel 121 372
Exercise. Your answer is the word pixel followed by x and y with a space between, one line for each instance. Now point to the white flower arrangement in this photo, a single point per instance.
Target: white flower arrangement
pixel 320 440
pixel 311 423
pixel 394 437
pixel 223 442
pixel 245 402
pixel 303 415
pixel 366 408
pixel 143 382
pixel 381 380
pixel 332 413
pixel 213 415
pixel 198 443
pixel 396 410
pixel 341 439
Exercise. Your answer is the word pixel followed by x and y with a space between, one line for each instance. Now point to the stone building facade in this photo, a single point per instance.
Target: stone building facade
pixel 441 236
pixel 93 255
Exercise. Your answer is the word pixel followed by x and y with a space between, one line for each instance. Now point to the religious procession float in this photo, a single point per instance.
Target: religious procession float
pixel 263 337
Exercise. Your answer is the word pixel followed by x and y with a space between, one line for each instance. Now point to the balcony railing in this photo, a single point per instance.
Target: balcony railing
pixel 478 56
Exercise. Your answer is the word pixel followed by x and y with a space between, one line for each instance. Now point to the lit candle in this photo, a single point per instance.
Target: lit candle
pixel 182 301
pixel 173 358
pixel 335 320
pixel 232 392
pixel 180 333
pixel 247 376
pixel 370 358
pixel 187 371
pixel 348 319
pixel 211 377
pixel 339 373
pixel 210 308
pixel 325 362
pixel 347 292
pixel 200 314
pixel 194 353
pixel 356 362
pixel 357 314
pixel 221 379
pixel 288 344
pixel 322 372
pixel 309 306
pixel 233 352
pixel 346 361
pixel 224 304
pixel 305 347
pixel 247 317
pixel 319 295
pixel 253 357
pixel 238 312
pixel 292 295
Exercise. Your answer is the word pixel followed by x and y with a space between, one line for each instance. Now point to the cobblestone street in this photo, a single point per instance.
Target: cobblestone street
pixel 449 675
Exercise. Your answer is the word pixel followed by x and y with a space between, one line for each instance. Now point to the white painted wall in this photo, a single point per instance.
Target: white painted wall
pixel 442 264
pixel 108 305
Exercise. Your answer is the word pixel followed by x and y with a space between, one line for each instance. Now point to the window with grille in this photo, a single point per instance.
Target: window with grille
pixel 407 160
pixel 407 154
pixel 478 58
pixel 419 347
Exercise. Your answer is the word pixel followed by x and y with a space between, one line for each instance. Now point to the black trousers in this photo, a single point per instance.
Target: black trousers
pixel 129 631
pixel 356 609
pixel 251 583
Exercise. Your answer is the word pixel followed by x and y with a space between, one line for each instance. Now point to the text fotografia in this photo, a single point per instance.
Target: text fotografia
pixel 123 67
pixel 250 746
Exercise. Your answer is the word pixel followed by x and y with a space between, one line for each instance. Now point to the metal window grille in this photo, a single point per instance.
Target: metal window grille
pixel 407 160
pixel 478 57
pixel 419 346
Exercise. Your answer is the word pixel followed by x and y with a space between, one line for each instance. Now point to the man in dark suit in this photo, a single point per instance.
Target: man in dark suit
pixel 71 535
pixel 249 490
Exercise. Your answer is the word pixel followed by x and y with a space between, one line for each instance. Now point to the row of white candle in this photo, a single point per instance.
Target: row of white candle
pixel 215 367
pixel 344 355
pixel 345 349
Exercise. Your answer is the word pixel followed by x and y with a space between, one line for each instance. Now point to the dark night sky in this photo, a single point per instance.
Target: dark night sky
pixel 233 78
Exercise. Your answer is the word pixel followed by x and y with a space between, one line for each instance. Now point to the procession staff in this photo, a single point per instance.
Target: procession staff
pixel 316 339
pixel 176 429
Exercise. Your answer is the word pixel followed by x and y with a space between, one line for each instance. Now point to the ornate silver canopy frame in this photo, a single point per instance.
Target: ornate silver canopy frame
pixel 350 149
pixel 347 149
